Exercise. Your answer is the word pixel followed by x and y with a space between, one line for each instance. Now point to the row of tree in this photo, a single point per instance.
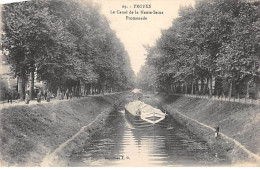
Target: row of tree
pixel 212 48
pixel 68 44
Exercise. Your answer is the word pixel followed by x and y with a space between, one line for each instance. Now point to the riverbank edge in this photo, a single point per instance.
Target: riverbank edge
pixel 60 155
pixel 54 158
pixel 222 144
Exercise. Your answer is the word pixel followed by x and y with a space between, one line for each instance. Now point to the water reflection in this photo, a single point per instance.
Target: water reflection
pixel 119 144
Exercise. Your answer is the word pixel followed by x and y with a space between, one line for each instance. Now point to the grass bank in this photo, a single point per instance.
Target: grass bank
pixel 29 133
pixel 239 124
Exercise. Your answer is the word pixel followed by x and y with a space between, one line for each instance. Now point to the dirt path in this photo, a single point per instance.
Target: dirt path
pixel 22 103
pixel 226 99
pixel 34 102
pixel 255 156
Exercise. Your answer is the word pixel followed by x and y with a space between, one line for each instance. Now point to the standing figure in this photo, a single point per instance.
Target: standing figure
pixel 9 96
pixel 45 95
pixel 70 95
pixel 61 95
pixel 48 96
pixel 27 98
pixel 39 95
pixel 58 94
pixel 216 131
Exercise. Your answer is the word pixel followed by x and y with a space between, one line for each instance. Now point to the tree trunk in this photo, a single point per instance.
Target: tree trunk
pixel 168 87
pixel 88 89
pixel 238 91
pixel 31 84
pixel 202 86
pixel 192 87
pixel 257 87
pixel 247 89
pixel 186 88
pixel 206 90
pixel 230 91
pixel 84 89
pixel 91 89
pixel 210 86
pixel 196 90
pixel 21 87
pixel 217 91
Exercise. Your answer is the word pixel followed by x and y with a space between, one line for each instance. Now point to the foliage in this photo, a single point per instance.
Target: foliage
pixel 68 43
pixel 215 40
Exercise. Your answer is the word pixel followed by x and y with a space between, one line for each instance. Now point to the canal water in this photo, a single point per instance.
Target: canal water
pixel 120 144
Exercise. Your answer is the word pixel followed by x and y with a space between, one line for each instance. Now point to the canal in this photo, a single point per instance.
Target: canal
pixel 120 144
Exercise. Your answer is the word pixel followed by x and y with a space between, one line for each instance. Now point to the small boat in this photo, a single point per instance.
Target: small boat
pixel 140 114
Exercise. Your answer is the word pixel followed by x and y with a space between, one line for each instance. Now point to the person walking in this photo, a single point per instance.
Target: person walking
pixel 217 131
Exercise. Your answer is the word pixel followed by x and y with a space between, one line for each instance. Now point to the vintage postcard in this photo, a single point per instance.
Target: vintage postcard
pixel 129 83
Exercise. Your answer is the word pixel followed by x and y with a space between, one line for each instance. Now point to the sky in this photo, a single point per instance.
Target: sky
pixel 134 34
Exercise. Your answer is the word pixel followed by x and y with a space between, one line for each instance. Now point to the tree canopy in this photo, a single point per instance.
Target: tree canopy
pixel 66 43
pixel 211 48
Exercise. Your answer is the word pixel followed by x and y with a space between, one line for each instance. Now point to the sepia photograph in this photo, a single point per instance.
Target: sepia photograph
pixel 129 83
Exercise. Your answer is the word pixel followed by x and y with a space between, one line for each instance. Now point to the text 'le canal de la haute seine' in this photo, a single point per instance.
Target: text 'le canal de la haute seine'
pixel 144 14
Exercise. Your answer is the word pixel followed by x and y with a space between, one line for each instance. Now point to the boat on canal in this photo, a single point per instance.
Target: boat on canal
pixel 140 114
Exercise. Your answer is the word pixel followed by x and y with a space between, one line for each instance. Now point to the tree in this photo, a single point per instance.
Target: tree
pixel 69 44
pixel 214 41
